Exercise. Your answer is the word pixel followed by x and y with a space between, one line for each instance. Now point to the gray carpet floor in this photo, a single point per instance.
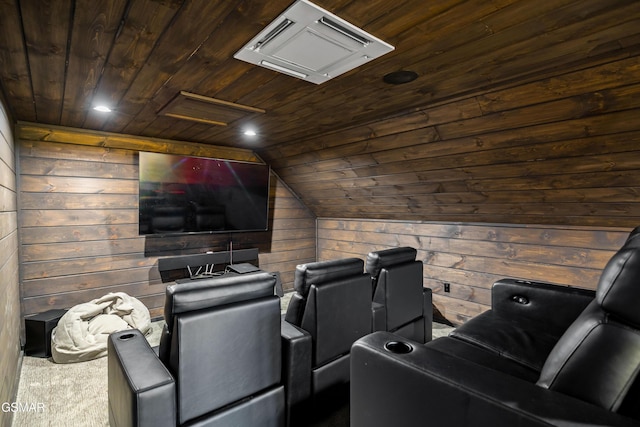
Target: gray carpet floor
pixel 75 395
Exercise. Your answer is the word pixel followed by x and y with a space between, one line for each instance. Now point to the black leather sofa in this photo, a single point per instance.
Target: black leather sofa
pixel 544 355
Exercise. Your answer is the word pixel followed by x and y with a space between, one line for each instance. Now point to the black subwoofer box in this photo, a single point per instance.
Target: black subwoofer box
pixel 38 332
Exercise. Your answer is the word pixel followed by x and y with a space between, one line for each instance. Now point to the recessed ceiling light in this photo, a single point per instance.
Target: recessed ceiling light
pixel 250 132
pixel 102 108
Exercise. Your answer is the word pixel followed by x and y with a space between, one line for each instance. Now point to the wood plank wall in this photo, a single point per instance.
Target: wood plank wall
pixel 9 282
pixel 560 150
pixel 79 231
pixel 471 257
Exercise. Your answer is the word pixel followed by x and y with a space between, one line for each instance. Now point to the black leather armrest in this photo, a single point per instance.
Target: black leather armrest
pixel 142 392
pixel 552 307
pixel 425 385
pixel 297 346
pixel 427 312
pixel 379 313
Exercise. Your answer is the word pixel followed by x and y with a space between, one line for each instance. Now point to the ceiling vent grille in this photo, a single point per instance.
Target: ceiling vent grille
pixel 211 111
pixel 272 34
pixel 312 44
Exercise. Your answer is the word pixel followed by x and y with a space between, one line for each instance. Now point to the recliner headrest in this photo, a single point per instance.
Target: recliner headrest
pixel 618 290
pixel 378 260
pixel 315 273
pixel 216 291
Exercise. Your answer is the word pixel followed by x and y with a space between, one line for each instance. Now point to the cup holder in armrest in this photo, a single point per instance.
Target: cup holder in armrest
pixel 398 347
pixel 125 337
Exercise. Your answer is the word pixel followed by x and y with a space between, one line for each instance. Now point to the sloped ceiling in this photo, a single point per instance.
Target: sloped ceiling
pixel 523 111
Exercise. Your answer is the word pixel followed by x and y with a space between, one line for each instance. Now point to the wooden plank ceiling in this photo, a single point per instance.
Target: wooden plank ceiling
pixel 511 97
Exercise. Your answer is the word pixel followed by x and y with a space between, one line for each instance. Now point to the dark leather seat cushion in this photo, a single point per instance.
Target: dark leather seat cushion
pixel 520 342
pixel 481 356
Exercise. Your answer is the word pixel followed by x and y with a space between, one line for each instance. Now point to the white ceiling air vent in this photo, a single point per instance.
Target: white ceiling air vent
pixel 312 44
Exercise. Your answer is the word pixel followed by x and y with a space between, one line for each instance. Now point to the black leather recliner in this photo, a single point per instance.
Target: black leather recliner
pixel 544 355
pixel 400 302
pixel 219 364
pixel 330 309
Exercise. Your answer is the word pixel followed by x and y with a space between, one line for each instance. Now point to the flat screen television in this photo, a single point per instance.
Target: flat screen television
pixel 184 194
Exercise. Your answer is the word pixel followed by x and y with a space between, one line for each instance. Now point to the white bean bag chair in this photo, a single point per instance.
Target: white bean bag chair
pixel 81 334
